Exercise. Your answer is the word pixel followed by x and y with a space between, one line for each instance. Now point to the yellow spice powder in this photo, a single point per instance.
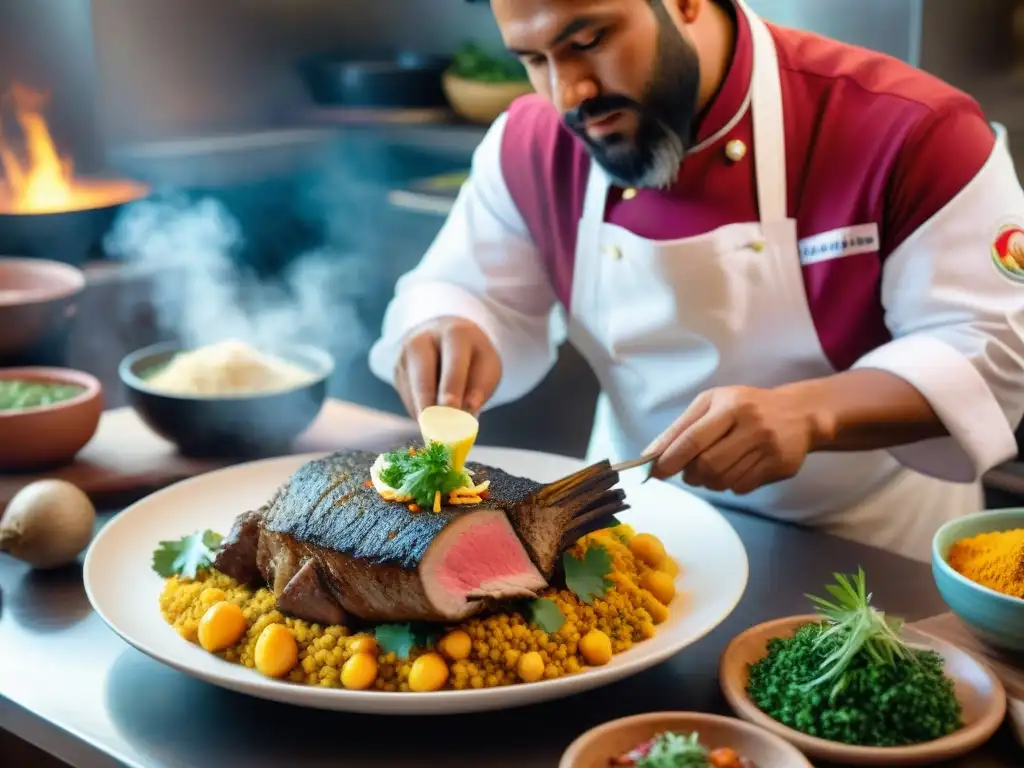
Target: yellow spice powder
pixel 994 560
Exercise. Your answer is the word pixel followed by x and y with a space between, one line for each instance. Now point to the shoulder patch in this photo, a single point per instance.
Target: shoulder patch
pixel 1008 250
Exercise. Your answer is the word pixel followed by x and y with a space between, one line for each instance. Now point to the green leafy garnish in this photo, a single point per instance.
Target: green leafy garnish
pixel 398 639
pixel 546 615
pixel 423 473
pixel 187 555
pixel 883 693
pixel 472 62
pixel 671 750
pixel 588 578
pixel 859 628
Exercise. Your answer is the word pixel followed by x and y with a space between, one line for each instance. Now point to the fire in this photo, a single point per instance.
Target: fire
pixel 44 182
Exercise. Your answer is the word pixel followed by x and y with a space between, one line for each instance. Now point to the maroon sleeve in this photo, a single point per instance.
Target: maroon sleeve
pixel 939 158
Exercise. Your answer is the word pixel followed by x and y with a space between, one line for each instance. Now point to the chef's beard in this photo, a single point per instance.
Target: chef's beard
pixel 665 116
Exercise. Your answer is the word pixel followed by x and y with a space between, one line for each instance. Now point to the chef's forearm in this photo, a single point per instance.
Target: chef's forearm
pixel 866 409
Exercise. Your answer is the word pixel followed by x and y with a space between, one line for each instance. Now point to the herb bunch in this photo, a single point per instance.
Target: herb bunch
pixel 423 473
pixel 850 678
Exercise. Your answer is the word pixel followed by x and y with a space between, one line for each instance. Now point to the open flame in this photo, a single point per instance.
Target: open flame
pixel 40 180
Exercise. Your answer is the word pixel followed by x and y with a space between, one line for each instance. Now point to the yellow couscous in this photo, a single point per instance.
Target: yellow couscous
pixel 482 652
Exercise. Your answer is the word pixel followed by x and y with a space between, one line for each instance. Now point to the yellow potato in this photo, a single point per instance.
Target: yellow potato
pixel 222 626
pixel 429 673
pixel 277 653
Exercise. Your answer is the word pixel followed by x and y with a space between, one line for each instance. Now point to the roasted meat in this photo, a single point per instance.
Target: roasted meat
pixel 328 545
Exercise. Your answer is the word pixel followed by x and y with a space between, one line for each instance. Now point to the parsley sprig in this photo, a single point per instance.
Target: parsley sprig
pixel 423 473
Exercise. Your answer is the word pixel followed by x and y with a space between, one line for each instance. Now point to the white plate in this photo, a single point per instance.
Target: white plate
pixel 124 590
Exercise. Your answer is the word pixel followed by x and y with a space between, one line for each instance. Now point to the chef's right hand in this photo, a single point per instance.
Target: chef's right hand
pixel 447 361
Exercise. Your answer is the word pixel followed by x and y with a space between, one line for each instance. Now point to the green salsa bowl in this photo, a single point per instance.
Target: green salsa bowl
pixel 994 618
pixel 47 415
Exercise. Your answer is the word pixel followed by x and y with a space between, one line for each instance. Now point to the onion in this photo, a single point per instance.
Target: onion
pixel 47 524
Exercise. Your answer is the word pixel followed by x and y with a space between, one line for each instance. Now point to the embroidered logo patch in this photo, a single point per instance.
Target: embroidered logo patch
pixel 846 241
pixel 1008 251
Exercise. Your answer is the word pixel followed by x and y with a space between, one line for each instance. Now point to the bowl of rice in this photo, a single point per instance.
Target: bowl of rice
pixel 227 399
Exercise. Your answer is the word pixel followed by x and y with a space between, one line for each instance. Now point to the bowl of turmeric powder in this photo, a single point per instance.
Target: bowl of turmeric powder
pixel 978 564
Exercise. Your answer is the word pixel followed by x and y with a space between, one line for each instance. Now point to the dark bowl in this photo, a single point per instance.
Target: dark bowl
pixel 406 80
pixel 38 303
pixel 71 236
pixel 239 426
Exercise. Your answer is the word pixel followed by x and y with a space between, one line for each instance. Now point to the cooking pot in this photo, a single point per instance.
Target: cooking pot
pixel 406 80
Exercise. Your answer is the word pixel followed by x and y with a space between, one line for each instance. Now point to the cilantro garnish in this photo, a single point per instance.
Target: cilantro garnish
pixel 187 555
pixel 587 578
pixel 546 614
pixel 423 473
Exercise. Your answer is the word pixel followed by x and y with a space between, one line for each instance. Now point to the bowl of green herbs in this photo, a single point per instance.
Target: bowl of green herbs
pixel 851 684
pixel 480 85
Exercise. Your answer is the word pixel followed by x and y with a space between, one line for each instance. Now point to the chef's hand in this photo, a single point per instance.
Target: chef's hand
pixel 448 361
pixel 737 439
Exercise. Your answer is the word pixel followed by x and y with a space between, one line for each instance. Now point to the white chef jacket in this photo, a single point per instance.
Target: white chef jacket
pixel 662 319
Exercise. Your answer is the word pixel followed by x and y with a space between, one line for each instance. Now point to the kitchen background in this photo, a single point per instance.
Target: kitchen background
pixel 292 220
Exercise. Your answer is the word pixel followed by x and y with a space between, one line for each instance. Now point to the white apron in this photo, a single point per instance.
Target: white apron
pixel 662 321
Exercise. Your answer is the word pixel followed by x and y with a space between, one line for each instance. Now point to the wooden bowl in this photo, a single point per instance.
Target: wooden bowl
pixel 49 435
pixel 596 747
pixel 478 101
pixel 978 689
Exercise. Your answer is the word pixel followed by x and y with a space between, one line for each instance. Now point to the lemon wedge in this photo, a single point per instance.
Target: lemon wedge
pixel 451 427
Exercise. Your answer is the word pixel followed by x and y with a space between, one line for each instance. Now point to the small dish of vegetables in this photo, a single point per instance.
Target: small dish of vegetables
pixel 852 684
pixel 681 740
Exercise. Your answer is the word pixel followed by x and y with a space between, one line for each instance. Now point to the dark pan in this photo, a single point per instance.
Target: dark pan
pixel 406 80
pixel 71 237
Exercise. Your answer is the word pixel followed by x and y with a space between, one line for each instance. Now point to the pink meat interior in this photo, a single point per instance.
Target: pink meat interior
pixel 478 556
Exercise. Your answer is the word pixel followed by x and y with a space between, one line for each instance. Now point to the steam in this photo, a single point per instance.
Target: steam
pixel 202 295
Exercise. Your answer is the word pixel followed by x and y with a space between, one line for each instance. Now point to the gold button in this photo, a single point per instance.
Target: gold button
pixel 735 150
pixel 615 252
pixel 628 194
pixel 758 246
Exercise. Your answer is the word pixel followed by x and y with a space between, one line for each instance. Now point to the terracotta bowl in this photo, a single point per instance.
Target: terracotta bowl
pixel 596 747
pixel 478 101
pixel 49 435
pixel 980 693
pixel 38 302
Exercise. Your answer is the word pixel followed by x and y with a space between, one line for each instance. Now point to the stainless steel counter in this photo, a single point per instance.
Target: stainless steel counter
pixel 75 690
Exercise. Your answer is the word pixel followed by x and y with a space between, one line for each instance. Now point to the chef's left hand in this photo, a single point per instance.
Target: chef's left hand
pixel 737 439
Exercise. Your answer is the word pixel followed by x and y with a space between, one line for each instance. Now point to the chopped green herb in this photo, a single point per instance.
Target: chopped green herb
pixel 16 394
pixel 423 473
pixel 187 555
pixel 588 578
pixel 546 615
pixel 850 678
pixel 672 750
pixel 398 639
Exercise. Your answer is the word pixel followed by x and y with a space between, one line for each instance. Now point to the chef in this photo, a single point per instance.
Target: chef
pixel 790 262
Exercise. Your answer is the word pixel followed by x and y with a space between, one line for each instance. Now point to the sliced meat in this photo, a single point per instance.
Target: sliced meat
pixel 328 542
pixel 305 595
